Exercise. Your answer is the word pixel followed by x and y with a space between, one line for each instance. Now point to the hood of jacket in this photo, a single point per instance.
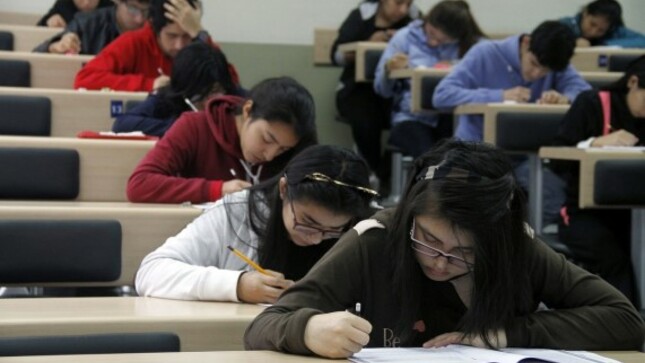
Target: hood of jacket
pixel 220 114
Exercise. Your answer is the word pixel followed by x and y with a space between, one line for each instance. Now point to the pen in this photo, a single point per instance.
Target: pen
pixel 190 104
pixel 357 309
pixel 233 172
pixel 249 261
pixel 160 71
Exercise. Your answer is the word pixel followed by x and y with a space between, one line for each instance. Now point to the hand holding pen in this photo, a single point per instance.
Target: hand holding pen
pixel 339 334
pixel 261 285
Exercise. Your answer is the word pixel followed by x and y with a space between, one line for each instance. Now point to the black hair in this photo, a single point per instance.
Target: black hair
pixel 196 70
pixel 454 18
pixel 609 9
pixel 283 99
pixel 491 210
pixel 275 246
pixel 157 13
pixel 553 44
pixel 635 68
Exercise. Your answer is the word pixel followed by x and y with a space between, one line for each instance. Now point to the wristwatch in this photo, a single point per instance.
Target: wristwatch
pixel 202 36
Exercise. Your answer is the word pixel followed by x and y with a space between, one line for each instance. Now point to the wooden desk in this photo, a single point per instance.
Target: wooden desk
pixel 105 165
pixel 200 325
pixel 595 59
pixel 144 227
pixel 588 159
pixel 13 18
pixel 50 70
pixel 324 39
pixel 229 357
pixel 598 79
pixel 26 38
pixel 74 111
pixel 490 114
pixel 361 49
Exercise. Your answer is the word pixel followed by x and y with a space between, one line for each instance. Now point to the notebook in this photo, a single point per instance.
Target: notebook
pixel 467 354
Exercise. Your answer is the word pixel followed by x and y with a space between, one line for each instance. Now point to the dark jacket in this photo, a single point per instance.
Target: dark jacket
pixel 95 29
pixel 145 118
pixel 586 312
pixel 67 10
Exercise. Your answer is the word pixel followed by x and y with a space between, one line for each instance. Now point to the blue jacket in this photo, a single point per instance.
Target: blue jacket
pixel 489 68
pixel 621 36
pixel 412 41
pixel 141 118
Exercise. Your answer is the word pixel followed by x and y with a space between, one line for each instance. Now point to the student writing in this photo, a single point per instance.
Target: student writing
pixel 285 224
pixel 445 34
pixel 199 72
pixel 600 239
pixel 192 162
pixel 454 263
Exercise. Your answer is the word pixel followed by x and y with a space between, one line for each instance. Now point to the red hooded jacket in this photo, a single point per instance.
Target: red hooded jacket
pixel 193 159
pixel 130 63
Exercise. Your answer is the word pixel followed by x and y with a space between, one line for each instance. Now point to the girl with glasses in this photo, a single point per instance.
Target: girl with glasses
pixel 285 224
pixel 454 263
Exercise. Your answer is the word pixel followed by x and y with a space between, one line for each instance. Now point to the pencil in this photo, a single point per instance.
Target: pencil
pixel 249 261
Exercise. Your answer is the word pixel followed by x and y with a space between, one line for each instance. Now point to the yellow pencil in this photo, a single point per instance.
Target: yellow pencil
pixel 249 261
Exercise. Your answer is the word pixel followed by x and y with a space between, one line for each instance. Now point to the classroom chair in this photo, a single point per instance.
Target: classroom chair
pixel 161 342
pixel 619 62
pixel 59 252
pixel 6 40
pixel 372 58
pixel 30 173
pixel 130 104
pixel 25 115
pixel 15 73
pixel 624 173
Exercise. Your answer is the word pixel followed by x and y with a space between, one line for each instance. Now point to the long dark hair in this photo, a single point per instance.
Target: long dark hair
pixel 635 68
pixel 454 18
pixel 335 162
pixel 197 69
pixel 488 206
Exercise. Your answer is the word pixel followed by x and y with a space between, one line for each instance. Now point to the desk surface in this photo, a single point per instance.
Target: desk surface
pixel 482 108
pixel 357 46
pixel 229 357
pixel 200 325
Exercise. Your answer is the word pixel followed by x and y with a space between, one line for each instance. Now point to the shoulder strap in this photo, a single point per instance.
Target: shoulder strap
pixel 605 102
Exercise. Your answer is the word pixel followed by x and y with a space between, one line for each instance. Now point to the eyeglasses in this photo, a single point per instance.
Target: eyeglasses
pixel 324 178
pixel 424 249
pixel 135 11
pixel 311 230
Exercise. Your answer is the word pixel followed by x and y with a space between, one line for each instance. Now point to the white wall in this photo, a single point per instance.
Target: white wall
pixel 293 21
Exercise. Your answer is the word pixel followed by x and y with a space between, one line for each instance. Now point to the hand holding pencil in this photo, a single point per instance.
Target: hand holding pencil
pixel 261 285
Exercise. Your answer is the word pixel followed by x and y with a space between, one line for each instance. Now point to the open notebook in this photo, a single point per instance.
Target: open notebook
pixel 462 354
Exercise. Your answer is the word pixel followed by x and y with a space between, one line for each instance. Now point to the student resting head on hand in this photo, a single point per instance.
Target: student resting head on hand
pixel 454 263
pixel 285 224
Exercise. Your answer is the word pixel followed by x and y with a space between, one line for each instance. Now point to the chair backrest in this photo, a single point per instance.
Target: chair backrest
pixel 629 174
pixel 526 132
pixel 619 62
pixel 428 85
pixel 43 251
pixel 15 73
pixel 30 173
pixel 6 40
pixel 25 115
pixel 90 344
pixel 372 58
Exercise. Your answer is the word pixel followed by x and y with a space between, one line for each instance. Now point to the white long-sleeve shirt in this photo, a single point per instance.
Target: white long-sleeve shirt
pixel 196 264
